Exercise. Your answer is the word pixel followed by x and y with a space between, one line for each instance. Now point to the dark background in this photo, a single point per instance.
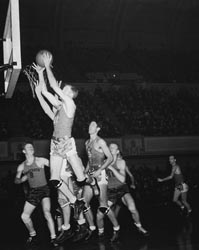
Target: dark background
pixel 157 39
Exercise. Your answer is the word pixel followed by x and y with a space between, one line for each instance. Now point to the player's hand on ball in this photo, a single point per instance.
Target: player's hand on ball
pixel 38 68
pixel 47 59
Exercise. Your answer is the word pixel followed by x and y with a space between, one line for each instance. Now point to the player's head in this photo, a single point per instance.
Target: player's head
pixel 28 148
pixel 172 159
pixel 114 149
pixel 94 127
pixel 70 91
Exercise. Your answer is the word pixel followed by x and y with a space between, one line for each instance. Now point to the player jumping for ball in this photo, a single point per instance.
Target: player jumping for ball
pixel 62 143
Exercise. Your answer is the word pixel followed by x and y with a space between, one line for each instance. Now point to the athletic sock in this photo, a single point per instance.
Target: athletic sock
pixel 92 228
pixel 66 227
pixel 116 228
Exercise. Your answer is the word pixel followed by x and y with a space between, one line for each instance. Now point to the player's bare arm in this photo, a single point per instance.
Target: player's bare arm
pixel 104 148
pixel 20 178
pixel 46 108
pixel 120 173
pixel 170 176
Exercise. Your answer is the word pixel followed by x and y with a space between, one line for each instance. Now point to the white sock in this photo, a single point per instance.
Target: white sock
pixel 101 230
pixel 82 221
pixel 32 234
pixel 138 224
pixel 116 228
pixel 53 236
pixel 92 228
pixel 65 227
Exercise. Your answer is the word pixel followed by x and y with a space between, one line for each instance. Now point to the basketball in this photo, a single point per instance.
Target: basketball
pixel 39 57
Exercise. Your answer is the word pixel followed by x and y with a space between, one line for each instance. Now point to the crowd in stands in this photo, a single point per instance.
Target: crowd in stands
pixel 122 110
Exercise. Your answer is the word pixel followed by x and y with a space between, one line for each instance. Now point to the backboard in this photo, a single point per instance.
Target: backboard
pixel 11 48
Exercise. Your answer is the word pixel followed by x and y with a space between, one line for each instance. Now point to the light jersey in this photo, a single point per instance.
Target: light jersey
pixel 62 124
pixel 36 175
pixel 178 177
pixel 113 181
pixel 95 158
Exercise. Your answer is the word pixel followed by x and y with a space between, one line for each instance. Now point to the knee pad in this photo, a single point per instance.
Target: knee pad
pixel 81 183
pixel 104 210
pixel 86 209
pixel 56 183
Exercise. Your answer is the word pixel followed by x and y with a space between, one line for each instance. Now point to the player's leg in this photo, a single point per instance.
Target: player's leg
pixel 176 196
pixel 26 218
pixel 88 195
pixel 104 209
pixel 78 168
pixel 184 193
pixel 128 201
pixel 46 206
pixel 67 231
pixel 76 163
pixel 116 210
pixel 56 164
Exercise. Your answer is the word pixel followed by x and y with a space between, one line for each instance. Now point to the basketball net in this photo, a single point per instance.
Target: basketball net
pixel 32 76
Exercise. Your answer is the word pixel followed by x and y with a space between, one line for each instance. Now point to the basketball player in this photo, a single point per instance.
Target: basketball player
pixel 117 206
pixel 62 144
pixel 118 190
pixel 99 158
pixel 66 196
pixel 32 169
pixel 181 188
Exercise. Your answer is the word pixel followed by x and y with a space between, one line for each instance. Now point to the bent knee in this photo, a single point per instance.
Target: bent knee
pixel 25 217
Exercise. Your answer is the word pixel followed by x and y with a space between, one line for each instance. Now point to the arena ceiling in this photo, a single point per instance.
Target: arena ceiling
pixel 140 24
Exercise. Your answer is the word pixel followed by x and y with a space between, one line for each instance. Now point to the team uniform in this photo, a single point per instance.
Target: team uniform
pixel 37 181
pixel 62 144
pixel 116 188
pixel 95 161
pixel 180 185
pixel 181 188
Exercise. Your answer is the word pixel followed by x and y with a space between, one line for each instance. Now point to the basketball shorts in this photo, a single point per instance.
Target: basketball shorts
pixel 183 187
pixel 115 194
pixel 36 195
pixel 63 147
pixel 102 179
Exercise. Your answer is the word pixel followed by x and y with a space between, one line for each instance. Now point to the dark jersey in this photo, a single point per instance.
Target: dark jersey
pixel 95 158
pixel 36 175
pixel 62 124
pixel 113 181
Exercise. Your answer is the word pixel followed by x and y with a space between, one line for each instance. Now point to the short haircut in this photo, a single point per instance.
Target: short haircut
pixel 73 88
pixel 25 143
